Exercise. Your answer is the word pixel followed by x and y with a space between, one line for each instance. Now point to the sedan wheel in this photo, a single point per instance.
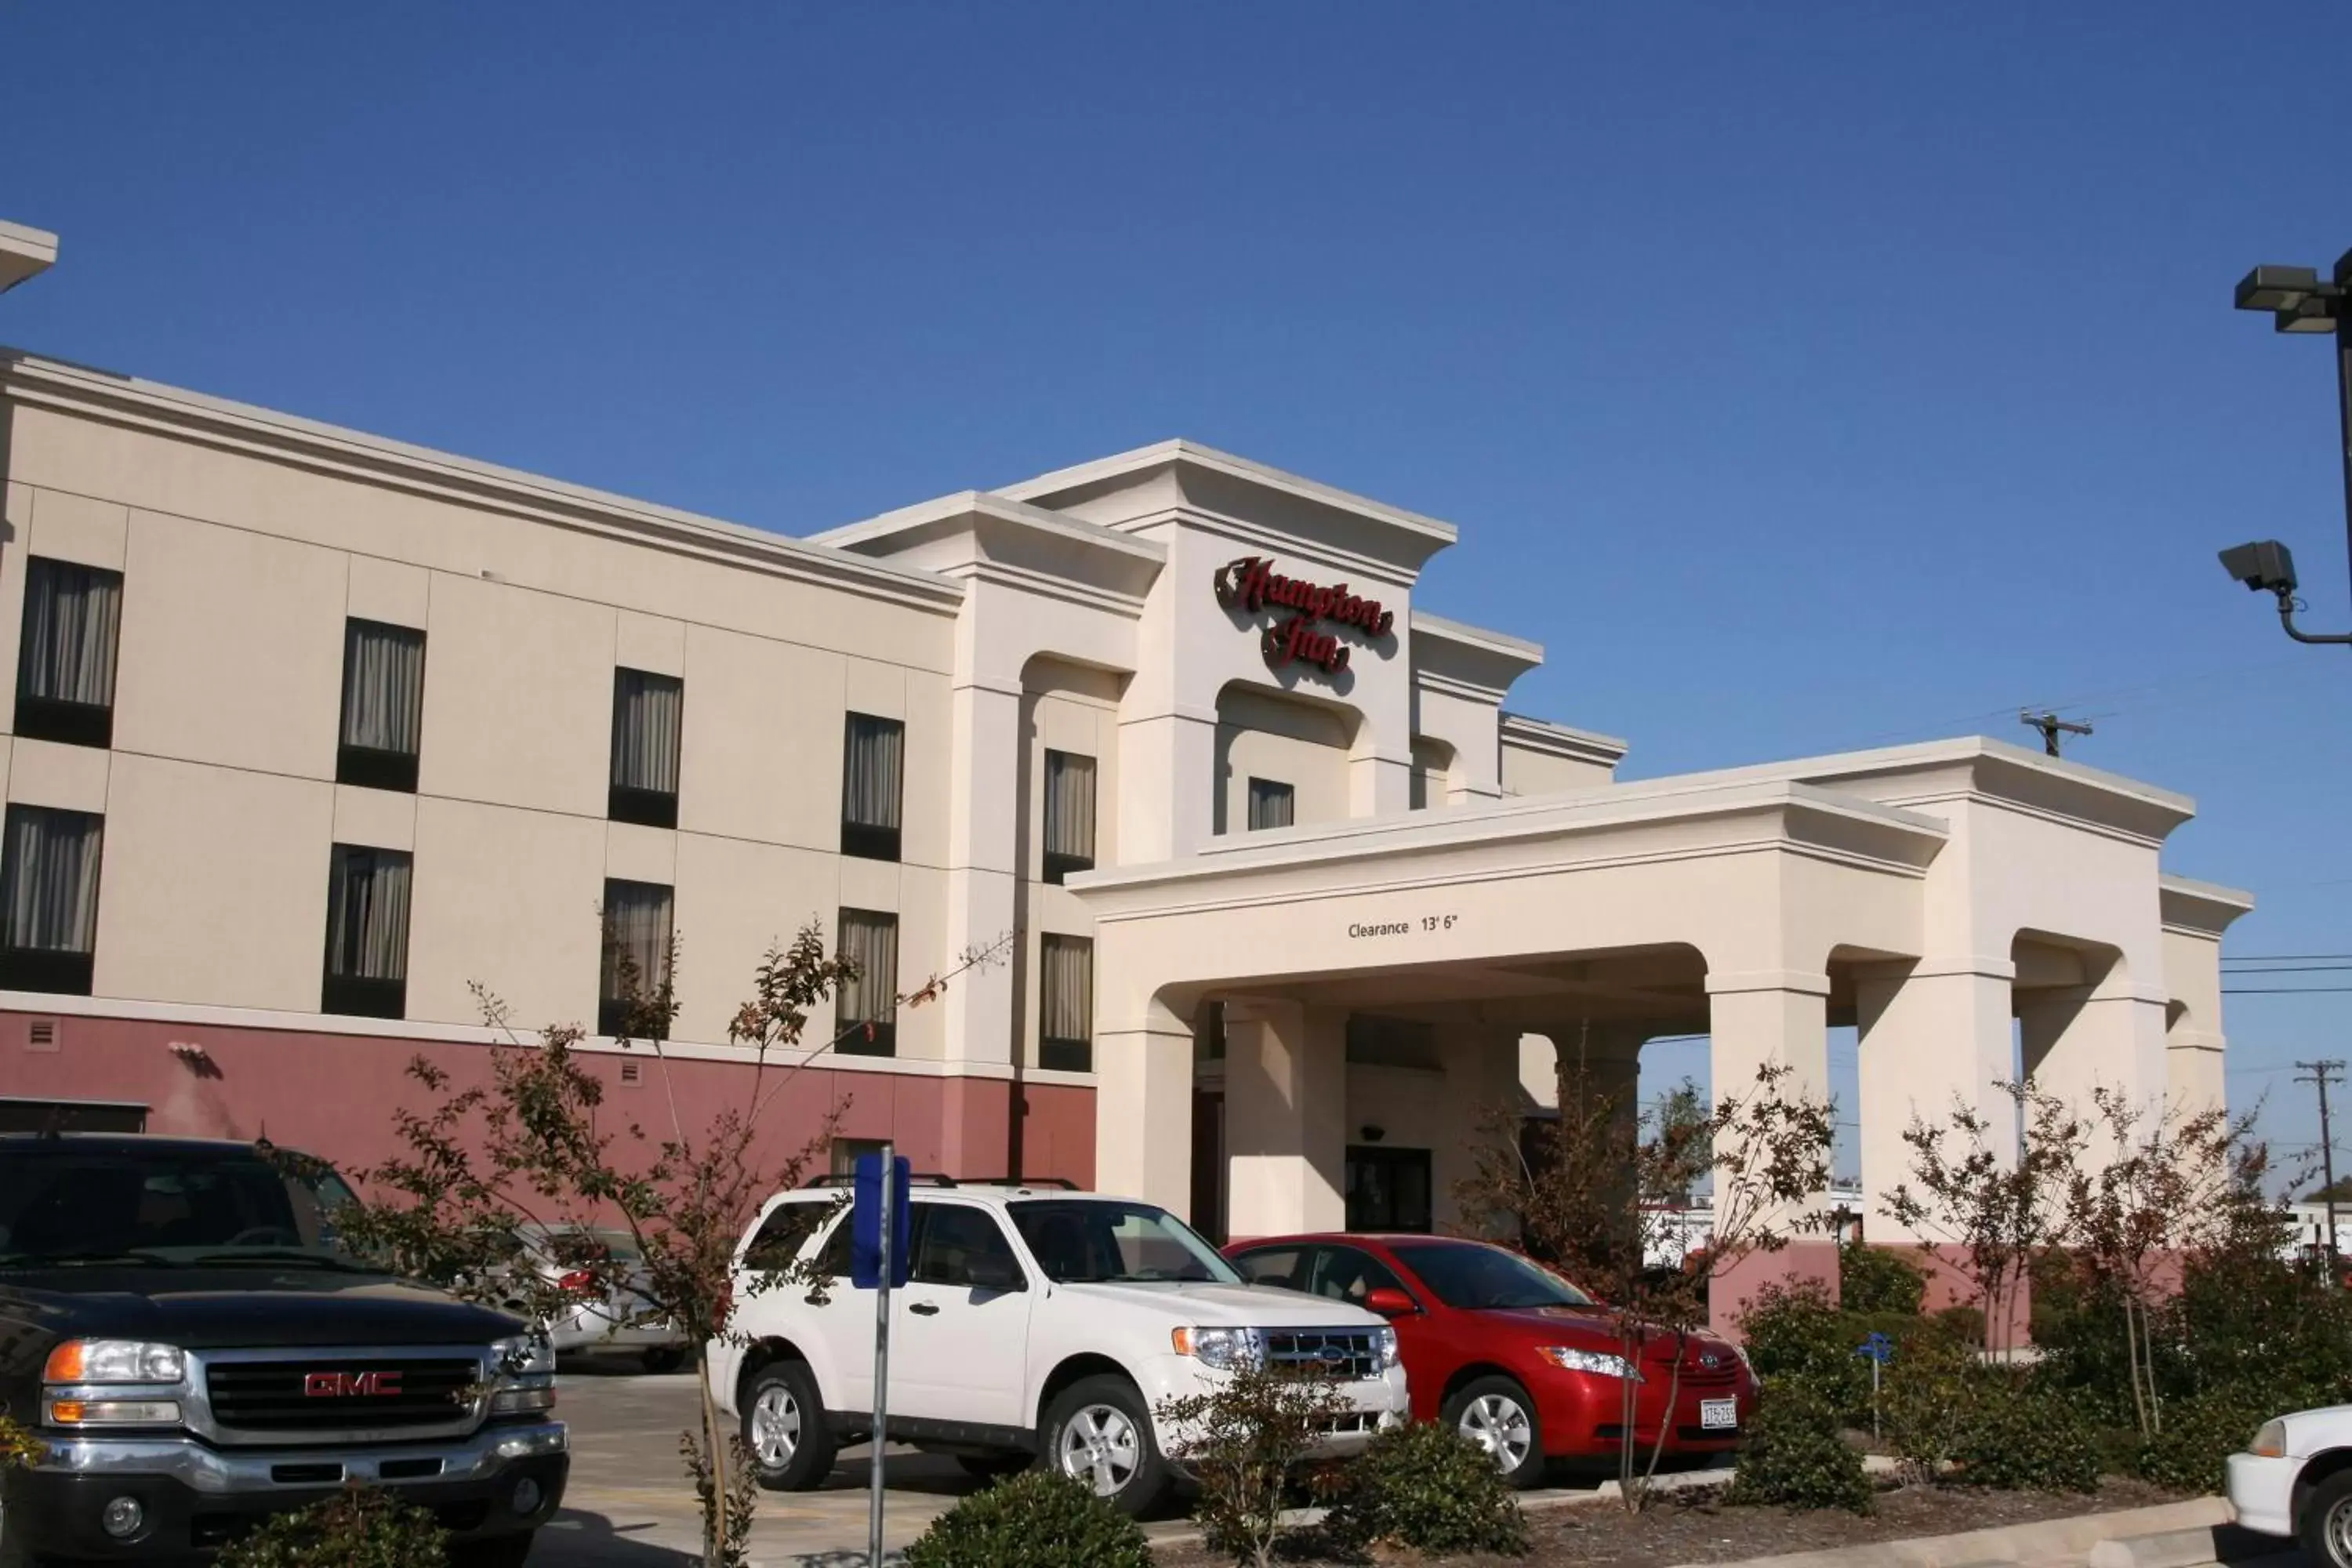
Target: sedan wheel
pixel 1497 1413
pixel 1100 1447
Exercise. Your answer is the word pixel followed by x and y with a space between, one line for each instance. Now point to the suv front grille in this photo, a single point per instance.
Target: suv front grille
pixel 337 1394
pixel 1344 1356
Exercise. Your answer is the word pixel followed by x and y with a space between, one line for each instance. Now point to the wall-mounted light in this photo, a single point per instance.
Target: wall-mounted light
pixel 1371 1133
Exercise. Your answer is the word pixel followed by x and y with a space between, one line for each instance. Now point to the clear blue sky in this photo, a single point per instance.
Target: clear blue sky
pixel 1804 377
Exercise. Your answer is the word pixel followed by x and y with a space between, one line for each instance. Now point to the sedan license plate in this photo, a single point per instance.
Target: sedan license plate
pixel 1718 1415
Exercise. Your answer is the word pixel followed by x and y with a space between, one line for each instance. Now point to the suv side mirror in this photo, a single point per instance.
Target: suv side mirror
pixel 1390 1302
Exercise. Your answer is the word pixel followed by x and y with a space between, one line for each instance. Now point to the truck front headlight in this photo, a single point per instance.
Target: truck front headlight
pixel 114 1360
pixel 523 1375
pixel 1220 1349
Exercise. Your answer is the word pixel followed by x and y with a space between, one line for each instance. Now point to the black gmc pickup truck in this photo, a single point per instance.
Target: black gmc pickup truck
pixel 182 1334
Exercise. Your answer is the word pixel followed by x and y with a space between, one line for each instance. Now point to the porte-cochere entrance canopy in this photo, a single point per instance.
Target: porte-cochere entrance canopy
pixel 1951 900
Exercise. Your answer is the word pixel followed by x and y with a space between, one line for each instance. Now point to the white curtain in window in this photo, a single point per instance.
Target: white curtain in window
pixel 1270 803
pixel 367 914
pixel 1067 988
pixel 1069 804
pixel 71 616
pixel 646 712
pixel 869 784
pixel 870 942
pixel 636 923
pixel 48 878
pixel 384 686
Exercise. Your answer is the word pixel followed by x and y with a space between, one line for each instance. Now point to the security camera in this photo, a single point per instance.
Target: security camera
pixel 2266 566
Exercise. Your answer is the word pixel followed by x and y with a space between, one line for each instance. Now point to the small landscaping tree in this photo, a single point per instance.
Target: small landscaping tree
pixel 1991 1207
pixel 497 1178
pixel 1593 1192
pixel 360 1527
pixel 1423 1485
pixel 1038 1516
pixel 1241 1441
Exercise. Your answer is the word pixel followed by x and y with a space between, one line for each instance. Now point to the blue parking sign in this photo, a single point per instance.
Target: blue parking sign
pixel 866 1223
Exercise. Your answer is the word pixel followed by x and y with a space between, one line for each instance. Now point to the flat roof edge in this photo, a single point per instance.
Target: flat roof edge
pixel 1179 451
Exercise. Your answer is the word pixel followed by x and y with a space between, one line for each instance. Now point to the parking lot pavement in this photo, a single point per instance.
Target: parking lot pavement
pixel 629 1504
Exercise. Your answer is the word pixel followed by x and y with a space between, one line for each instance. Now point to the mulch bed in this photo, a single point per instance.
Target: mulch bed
pixel 1696 1527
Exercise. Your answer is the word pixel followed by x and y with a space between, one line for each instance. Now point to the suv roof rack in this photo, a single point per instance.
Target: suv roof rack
pixel 941 1179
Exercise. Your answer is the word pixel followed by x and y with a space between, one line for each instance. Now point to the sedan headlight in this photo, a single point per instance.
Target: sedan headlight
pixel 1386 1339
pixel 2270 1442
pixel 114 1360
pixel 1221 1349
pixel 1600 1363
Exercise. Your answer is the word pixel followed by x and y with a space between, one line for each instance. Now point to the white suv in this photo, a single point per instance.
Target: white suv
pixel 1034 1321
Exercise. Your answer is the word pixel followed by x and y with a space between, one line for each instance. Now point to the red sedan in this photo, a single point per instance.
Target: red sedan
pixel 1525 1363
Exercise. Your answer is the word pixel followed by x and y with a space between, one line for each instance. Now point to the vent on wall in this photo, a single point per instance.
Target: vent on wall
pixel 631 1072
pixel 41 1035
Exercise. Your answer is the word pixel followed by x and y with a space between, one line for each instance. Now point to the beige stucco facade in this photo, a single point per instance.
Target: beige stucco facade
pixel 1473 881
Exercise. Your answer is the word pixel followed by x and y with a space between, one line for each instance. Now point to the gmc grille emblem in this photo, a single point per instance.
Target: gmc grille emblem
pixel 351 1384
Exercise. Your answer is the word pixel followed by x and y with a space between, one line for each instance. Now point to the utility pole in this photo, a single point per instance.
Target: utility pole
pixel 2051 727
pixel 2321 1074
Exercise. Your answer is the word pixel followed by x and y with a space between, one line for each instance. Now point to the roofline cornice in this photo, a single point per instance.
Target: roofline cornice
pixel 963 510
pixel 1559 741
pixel 227 426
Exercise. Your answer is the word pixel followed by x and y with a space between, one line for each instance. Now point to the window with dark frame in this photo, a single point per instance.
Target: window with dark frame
pixel 49 899
pixel 647 710
pixel 1272 803
pixel 873 767
pixel 868 1002
pixel 1065 1004
pixel 1387 1188
pixel 66 652
pixel 384 706
pixel 635 971
pixel 367 932
pixel 1069 815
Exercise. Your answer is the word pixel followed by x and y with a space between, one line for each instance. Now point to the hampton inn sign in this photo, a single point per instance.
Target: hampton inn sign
pixel 1251 583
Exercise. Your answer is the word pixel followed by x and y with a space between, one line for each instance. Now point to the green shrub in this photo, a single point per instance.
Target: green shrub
pixel 2201 1433
pixel 18 1446
pixel 1931 1391
pixel 1792 1454
pixel 1793 1336
pixel 1038 1516
pixel 1879 1280
pixel 1242 1441
pixel 1426 1485
pixel 357 1528
pixel 2023 1435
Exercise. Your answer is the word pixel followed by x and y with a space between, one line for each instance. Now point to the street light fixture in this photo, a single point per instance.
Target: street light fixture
pixel 2299 301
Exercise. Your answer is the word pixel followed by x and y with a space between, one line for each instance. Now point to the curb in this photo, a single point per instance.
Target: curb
pixel 2194 1549
pixel 2042 1541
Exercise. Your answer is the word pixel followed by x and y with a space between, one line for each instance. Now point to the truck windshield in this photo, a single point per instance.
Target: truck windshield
pixel 63 1204
pixel 1086 1241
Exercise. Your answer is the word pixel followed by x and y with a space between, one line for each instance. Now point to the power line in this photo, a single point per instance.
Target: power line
pixel 2281 957
pixel 2284 990
pixel 2290 969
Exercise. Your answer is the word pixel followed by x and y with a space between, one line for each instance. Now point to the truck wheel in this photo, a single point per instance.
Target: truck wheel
pixel 1497 1413
pixel 783 1426
pixel 498 1552
pixel 2324 1523
pixel 1100 1433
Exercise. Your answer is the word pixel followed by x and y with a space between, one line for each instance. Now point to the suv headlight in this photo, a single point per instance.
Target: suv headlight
pixel 114 1360
pixel 1386 1338
pixel 1601 1363
pixel 522 1378
pixel 1221 1349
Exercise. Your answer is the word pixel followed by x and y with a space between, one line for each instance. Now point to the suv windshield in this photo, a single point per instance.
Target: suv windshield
pixel 62 1204
pixel 1472 1278
pixel 1088 1241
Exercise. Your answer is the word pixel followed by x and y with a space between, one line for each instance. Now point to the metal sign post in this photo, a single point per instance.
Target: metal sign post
pixel 879 1231
pixel 886 1232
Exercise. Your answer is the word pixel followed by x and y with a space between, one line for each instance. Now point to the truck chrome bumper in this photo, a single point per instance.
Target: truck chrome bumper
pixel 217 1472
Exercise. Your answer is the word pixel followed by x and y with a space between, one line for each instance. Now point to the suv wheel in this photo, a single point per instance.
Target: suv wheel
pixel 1497 1415
pixel 1100 1433
pixel 784 1428
pixel 2324 1523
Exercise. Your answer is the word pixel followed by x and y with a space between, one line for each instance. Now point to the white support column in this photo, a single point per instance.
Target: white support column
pixel 1379 785
pixel 984 832
pixel 2111 1036
pixel 1286 1119
pixel 1759 1018
pixel 1932 1035
pixel 1167 786
pixel 1143 1113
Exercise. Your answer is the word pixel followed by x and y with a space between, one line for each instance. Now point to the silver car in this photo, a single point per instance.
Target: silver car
pixel 622 1319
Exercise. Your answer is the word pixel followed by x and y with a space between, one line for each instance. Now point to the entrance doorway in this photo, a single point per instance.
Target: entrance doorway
pixel 1388 1189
